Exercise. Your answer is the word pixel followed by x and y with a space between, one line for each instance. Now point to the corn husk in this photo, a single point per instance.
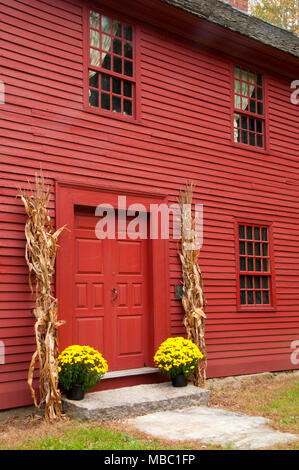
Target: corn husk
pixel 40 254
pixel 193 299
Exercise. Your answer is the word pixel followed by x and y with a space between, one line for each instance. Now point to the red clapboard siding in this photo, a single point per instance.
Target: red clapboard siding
pixel 184 133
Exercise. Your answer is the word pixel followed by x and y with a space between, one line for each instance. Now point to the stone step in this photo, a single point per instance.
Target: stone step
pixel 134 401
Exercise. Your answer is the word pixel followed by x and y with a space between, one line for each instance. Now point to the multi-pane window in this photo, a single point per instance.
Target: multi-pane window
pixel 111 64
pixel 255 268
pixel 249 107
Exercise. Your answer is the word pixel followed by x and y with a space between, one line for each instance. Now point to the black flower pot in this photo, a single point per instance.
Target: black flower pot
pixel 75 392
pixel 179 381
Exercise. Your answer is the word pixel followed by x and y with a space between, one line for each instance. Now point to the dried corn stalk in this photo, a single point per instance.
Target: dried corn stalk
pixel 193 298
pixel 41 247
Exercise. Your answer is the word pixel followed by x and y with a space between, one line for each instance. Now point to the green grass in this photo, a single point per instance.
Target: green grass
pixel 276 399
pixel 284 405
pixel 89 438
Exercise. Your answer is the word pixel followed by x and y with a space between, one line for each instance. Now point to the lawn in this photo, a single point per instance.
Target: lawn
pixel 274 397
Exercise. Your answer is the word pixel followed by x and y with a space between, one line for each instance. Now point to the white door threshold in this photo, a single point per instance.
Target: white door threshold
pixel 114 374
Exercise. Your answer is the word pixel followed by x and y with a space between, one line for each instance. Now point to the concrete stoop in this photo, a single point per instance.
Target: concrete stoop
pixel 134 401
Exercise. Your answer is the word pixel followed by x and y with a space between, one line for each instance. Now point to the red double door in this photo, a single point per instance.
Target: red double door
pixel 110 301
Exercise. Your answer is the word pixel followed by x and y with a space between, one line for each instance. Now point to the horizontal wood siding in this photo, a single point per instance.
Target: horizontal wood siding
pixel 184 133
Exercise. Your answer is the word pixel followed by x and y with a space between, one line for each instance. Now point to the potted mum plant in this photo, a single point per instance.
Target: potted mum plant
pixel 80 368
pixel 178 358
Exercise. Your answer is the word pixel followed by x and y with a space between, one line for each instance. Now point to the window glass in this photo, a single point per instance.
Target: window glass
pixel 111 60
pixel 254 265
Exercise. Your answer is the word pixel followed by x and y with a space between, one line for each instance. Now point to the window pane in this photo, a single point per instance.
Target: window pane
pixel 245 104
pixel 106 43
pixel 257 249
pixel 259 126
pixel 260 108
pixel 259 93
pixel 250 297
pixel 117 65
pixel 94 38
pixel 252 77
pixel 106 64
pixel 259 140
pixel 260 79
pixel 265 264
pixel 250 264
pixel 94 19
pixel 128 107
pixel 250 248
pixel 117 46
pixel 128 68
pixel 244 122
pixel 242 264
pixel 244 137
pixel 265 297
pixel 94 57
pixel 93 98
pixel 243 297
pixel 258 297
pixel 245 89
pixel 117 28
pixel 251 124
pixel 116 104
pixel 258 264
pixel 93 79
pixel 105 82
pixel 249 232
pixel 128 50
pixel 128 89
pixel 252 139
pixel 244 75
pixel 237 120
pixel 105 101
pixel 106 24
pixel 128 32
pixel 241 231
pixel 249 282
pixel 237 135
pixel 265 282
pixel 252 106
pixel 242 248
pixel 237 86
pixel 116 85
pixel 242 282
pixel 264 234
pixel 237 102
pixel 257 282
pixel 265 249
pixel 252 91
pixel 237 72
pixel 257 233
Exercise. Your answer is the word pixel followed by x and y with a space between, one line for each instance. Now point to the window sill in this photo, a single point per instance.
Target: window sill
pixel 256 309
pixel 250 148
pixel 112 115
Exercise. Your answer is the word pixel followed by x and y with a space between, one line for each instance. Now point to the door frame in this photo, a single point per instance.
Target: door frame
pixel 70 194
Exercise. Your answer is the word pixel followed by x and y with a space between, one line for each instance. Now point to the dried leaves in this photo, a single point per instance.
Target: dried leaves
pixel 193 299
pixel 41 248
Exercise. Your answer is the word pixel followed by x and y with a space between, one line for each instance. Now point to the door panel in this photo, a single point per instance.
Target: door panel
pixel 110 294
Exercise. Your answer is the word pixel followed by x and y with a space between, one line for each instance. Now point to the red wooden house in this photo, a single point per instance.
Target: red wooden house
pixel 133 98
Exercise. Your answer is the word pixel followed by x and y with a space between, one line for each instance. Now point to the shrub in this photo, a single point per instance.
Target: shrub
pixel 81 365
pixel 177 356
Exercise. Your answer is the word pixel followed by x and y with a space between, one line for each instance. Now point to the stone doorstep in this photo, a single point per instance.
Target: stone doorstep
pixel 134 401
pixel 235 381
